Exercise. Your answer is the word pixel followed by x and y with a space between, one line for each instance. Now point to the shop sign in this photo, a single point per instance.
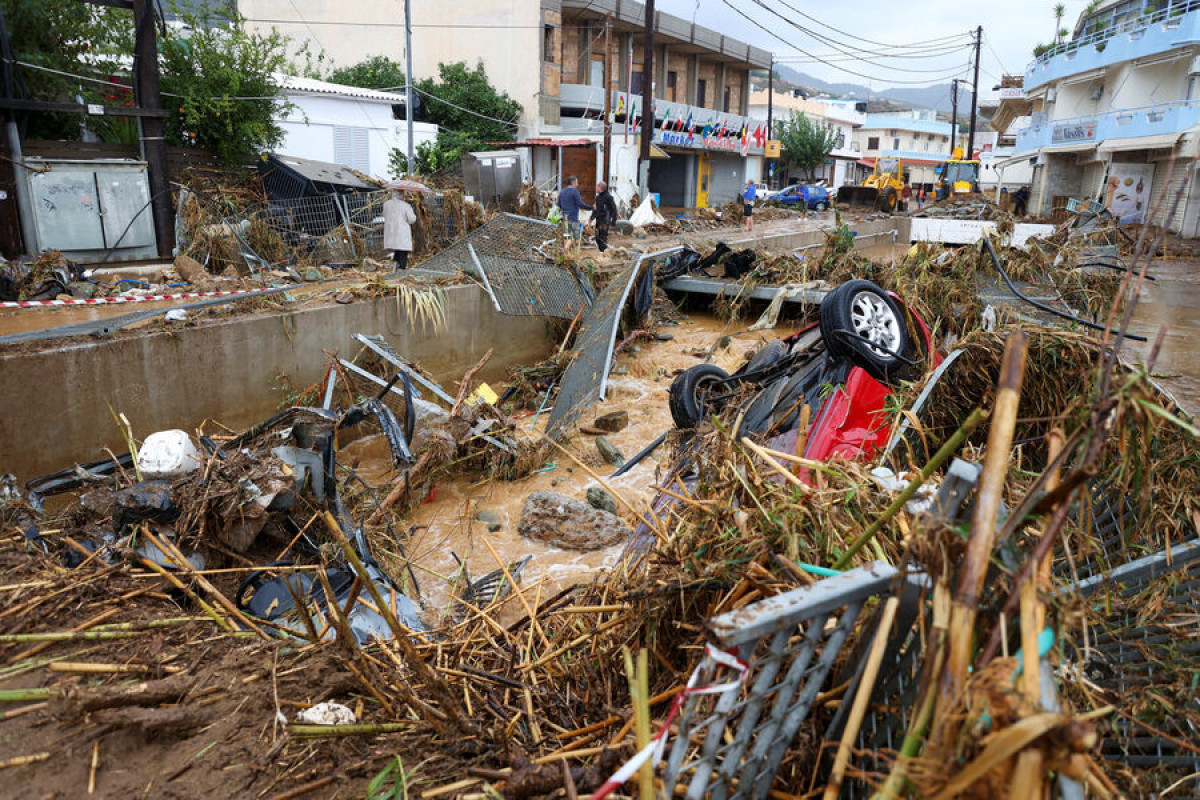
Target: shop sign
pixel 773 149
pixel 1063 134
pixel 732 144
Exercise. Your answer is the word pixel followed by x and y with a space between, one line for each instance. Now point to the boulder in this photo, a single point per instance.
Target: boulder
pixel 82 289
pixel 568 523
pixel 609 452
pixel 491 519
pixel 602 500
pixel 613 421
pixel 192 271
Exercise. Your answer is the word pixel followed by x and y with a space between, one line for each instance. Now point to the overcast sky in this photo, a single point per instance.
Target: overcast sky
pixel 1010 27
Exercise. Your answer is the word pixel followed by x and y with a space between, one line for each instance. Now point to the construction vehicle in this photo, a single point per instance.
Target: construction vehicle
pixel 880 191
pixel 960 176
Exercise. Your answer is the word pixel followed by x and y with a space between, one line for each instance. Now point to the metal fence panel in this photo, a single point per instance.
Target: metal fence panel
pixel 505 235
pixel 527 288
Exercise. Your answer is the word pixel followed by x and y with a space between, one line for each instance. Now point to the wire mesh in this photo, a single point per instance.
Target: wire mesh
pixel 505 235
pixel 527 288
pixel 584 380
pixel 731 745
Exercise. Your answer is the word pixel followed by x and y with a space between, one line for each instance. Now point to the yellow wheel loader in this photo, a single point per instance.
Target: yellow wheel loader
pixel 960 176
pixel 880 191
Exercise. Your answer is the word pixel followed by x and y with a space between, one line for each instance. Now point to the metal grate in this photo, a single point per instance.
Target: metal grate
pixel 731 745
pixel 585 379
pixel 525 288
pixel 508 235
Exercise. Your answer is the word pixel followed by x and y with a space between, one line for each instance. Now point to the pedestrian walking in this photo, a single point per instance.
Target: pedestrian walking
pixel 905 197
pixel 748 198
pixel 920 197
pixel 1020 199
pixel 398 219
pixel 605 216
pixel 571 204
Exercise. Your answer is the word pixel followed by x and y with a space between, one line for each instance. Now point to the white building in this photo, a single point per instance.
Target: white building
pixel 844 116
pixel 916 137
pixel 1115 114
pixel 345 125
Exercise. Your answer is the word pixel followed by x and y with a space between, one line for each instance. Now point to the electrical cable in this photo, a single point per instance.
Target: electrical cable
pixel 869 41
pixel 775 35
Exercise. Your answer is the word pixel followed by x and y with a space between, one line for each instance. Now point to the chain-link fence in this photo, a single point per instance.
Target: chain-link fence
pixel 505 235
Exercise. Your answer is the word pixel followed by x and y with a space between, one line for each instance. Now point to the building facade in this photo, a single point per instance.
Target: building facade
pixel 844 116
pixel 550 56
pixel 1114 114
pixel 916 137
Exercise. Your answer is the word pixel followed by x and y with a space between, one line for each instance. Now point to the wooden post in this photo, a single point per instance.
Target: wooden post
pixel 607 98
pixel 152 129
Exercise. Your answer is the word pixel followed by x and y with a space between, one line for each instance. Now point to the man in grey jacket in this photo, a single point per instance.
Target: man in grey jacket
pixel 571 204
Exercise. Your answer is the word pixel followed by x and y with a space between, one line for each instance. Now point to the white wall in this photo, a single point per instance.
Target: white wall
pixel 309 129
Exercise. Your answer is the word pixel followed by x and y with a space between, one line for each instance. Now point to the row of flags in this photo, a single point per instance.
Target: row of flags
pixel 690 126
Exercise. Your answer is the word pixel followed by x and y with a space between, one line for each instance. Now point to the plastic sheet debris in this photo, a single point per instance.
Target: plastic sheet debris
pixel 326 714
pixel 168 454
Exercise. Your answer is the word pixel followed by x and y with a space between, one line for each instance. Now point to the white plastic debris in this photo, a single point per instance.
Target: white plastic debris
pixel 176 315
pixel 892 482
pixel 988 318
pixel 327 714
pixel 168 454
pixel 646 215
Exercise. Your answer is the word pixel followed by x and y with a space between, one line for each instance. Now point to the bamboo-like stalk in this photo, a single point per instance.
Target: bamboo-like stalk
pixel 865 687
pixel 24 761
pixel 297 729
pixel 25 695
pixel 940 457
pixel 639 695
pixel 222 623
pixel 987 510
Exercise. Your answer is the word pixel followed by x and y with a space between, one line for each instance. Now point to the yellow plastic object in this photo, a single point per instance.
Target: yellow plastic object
pixel 483 393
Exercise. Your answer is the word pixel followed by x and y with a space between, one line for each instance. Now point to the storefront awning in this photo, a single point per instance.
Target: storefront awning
pixel 1008 162
pixel 1161 141
pixel 1074 147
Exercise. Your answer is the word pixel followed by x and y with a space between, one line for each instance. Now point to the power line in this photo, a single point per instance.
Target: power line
pixel 444 25
pixel 870 41
pixel 1003 68
pixel 835 66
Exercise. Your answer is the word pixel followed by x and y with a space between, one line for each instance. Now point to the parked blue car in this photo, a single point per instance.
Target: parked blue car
pixel 812 196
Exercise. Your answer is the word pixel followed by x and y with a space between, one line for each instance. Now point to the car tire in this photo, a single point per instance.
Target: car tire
pixel 820 207
pixel 687 396
pixel 887 200
pixel 767 355
pixel 862 309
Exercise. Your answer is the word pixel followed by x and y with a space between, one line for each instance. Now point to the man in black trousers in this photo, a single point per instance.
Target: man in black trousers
pixel 606 215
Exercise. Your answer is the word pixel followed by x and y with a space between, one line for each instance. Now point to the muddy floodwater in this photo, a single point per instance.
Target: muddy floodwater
pixel 445 526
pixel 1173 299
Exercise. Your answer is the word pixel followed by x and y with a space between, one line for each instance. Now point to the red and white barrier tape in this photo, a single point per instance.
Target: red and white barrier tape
pixel 653 752
pixel 104 301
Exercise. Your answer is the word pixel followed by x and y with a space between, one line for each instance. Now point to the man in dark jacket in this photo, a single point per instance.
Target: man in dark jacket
pixel 571 203
pixel 606 215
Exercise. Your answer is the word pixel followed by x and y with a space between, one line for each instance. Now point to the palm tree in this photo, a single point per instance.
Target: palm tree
pixel 1060 10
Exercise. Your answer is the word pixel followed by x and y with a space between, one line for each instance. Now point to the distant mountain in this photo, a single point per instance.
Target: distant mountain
pixel 936 96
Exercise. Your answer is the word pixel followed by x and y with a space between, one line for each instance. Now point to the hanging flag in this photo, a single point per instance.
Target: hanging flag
pixel 620 114
pixel 745 138
pixel 723 131
pixel 708 128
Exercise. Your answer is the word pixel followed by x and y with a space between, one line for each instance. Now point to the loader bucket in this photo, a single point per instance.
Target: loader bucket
pixel 858 196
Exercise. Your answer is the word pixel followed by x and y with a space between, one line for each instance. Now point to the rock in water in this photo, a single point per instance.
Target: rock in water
pixel 568 523
pixel 609 452
pixel 491 519
pixel 613 421
pixel 598 498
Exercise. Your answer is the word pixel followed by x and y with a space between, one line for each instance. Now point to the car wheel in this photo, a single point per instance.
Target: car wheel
pixel 887 200
pixel 688 396
pixel 821 206
pixel 863 324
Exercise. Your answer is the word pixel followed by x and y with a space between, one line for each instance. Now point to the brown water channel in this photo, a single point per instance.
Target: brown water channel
pixel 446 525
pixel 1172 299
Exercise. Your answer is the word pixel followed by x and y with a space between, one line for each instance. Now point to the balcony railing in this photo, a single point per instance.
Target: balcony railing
pixel 1127 123
pixel 590 100
pixel 1138 37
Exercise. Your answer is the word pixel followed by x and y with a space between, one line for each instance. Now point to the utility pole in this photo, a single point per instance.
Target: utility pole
pixel 607 97
pixel 647 103
pixel 28 231
pixel 953 116
pixel 770 96
pixel 154 143
pixel 408 81
pixel 974 94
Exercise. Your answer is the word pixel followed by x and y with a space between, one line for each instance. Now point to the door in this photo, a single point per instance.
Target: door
pixel 704 172
pixel 581 162
pixel 597 76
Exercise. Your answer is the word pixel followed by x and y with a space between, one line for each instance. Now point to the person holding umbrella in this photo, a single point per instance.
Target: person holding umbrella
pixel 398 219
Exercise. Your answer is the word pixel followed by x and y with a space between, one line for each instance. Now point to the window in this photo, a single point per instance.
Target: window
pixel 701 92
pixel 352 147
pixel 841 140
pixel 725 101
pixel 896 143
pixel 672 82
pixel 927 147
pixel 548 43
pixel 636 84
pixel 872 142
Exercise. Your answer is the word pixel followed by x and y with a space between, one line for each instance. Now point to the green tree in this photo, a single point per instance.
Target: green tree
pixel 805 144
pixel 92 42
pixel 219 78
pixel 473 113
pixel 1059 11
pixel 376 72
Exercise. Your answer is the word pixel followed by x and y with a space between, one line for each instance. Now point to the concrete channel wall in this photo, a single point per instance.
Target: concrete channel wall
pixel 54 406
pixel 868 233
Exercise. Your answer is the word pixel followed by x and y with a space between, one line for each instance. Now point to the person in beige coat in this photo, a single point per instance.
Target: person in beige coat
pixel 398 219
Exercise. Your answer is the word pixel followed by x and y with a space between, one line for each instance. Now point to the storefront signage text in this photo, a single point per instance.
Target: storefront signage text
pixel 1073 133
pixel 732 144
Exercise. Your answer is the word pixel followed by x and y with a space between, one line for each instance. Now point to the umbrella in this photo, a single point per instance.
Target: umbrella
pixel 405 185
